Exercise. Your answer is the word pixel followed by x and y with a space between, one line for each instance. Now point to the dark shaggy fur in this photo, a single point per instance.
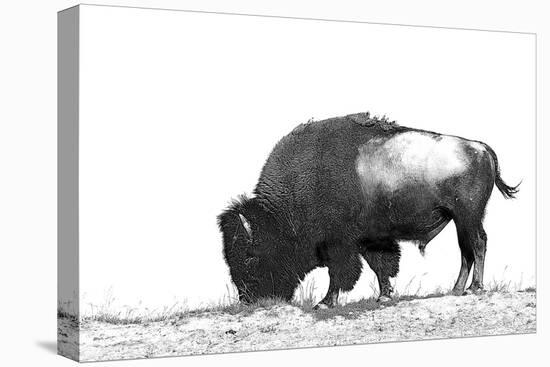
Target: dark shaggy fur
pixel 309 209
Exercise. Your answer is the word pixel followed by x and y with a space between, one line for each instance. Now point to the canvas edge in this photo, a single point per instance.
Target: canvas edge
pixel 68 305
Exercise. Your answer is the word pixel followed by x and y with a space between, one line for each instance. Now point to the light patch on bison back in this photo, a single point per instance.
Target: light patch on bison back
pixel 410 157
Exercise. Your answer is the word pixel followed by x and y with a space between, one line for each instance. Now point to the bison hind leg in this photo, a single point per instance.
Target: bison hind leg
pixel 383 258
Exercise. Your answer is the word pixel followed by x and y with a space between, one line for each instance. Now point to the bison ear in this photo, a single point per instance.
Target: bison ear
pixel 246 225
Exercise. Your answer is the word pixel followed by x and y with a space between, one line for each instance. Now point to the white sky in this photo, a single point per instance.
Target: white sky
pixel 179 111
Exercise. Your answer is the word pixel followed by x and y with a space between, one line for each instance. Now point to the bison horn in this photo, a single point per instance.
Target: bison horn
pixel 246 225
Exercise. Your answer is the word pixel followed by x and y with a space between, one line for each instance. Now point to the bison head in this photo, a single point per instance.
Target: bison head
pixel 257 252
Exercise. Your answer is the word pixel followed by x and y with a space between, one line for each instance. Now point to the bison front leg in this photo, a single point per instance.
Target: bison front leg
pixel 344 269
pixel 383 258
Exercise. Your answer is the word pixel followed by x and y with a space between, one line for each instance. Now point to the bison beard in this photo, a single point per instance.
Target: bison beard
pixel 334 190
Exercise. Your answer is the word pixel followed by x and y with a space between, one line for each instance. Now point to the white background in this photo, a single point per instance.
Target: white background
pixel 178 112
pixel 28 187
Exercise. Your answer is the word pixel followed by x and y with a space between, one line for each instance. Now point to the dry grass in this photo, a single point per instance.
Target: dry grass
pixel 304 299
pixel 240 308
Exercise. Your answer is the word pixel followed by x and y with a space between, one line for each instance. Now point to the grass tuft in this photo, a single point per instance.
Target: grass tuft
pixel 304 297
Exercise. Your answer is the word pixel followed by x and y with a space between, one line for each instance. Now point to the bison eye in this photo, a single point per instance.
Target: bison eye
pixel 251 260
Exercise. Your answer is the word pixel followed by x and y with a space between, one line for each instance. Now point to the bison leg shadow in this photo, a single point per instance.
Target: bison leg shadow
pixel 383 258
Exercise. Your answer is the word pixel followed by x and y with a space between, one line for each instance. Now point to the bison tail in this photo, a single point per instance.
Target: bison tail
pixel 508 192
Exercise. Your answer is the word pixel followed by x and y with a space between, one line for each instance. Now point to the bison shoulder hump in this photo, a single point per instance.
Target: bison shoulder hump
pixel 365 119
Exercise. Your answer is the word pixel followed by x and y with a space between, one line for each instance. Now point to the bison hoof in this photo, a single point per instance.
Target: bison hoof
pixel 320 306
pixel 457 292
pixel 384 299
pixel 473 291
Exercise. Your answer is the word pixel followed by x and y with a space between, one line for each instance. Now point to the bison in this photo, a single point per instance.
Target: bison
pixel 334 190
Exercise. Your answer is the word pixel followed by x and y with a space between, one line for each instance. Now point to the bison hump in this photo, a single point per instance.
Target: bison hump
pixel 365 119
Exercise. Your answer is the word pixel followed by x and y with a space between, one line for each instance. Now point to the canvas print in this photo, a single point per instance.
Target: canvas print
pixel 232 183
